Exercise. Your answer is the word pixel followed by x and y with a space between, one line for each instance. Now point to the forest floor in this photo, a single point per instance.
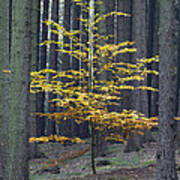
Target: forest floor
pixel 116 165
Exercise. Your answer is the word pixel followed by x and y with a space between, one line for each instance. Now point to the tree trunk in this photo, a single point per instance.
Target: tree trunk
pixel 83 129
pixel 139 36
pixel 17 138
pixel 66 25
pixel 101 145
pixel 155 65
pixel 166 168
pixel 177 101
pixel 51 123
pixel 64 127
pixel 74 63
pixel 177 38
pixel 152 50
pixel 4 80
pixel 110 25
pixel 40 126
pixel 35 22
pixel 139 98
pixel 123 34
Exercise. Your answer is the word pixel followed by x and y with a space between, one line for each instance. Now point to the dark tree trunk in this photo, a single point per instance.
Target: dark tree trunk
pixel 74 63
pixel 139 36
pixel 139 99
pixel 110 7
pixel 66 25
pixel 177 101
pixel 101 145
pixel 51 123
pixel 65 126
pixel 35 21
pixel 152 50
pixel 83 129
pixel 70 22
pixel 123 34
pixel 166 168
pixel 40 127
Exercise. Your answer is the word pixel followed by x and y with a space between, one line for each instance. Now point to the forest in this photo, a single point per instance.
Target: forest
pixel 89 89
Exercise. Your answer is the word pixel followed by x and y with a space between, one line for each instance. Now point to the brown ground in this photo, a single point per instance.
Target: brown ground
pixel 120 166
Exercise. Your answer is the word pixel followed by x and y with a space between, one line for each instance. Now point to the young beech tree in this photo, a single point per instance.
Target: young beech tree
pixel 86 97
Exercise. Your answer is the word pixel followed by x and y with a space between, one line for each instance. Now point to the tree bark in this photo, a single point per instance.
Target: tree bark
pixel 83 129
pixel 35 22
pixel 152 50
pixel 166 168
pixel 139 36
pixel 101 147
pixel 177 101
pixel 66 25
pixel 17 131
pixel 40 126
pixel 74 63
pixel 139 99
pixel 110 25
pixel 4 79
pixel 64 127
pixel 123 34
pixel 51 123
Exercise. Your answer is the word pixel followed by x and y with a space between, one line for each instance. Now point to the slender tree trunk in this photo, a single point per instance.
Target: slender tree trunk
pixel 101 145
pixel 17 138
pixel 152 50
pixel 177 101
pixel 40 127
pixel 139 36
pixel 74 63
pixel 177 110
pixel 166 168
pixel 90 80
pixel 51 124
pixel 66 25
pixel 110 7
pixel 65 126
pixel 155 66
pixel 83 129
pixel 35 15
pixel 75 25
pixel 123 34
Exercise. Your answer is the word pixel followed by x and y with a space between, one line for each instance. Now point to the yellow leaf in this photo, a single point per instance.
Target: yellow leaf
pixel 6 71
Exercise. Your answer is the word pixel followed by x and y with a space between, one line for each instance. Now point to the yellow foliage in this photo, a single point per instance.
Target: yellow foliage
pixel 56 138
pixel 147 88
pixel 85 96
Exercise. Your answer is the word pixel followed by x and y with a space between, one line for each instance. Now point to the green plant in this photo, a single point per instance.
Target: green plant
pixel 146 163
